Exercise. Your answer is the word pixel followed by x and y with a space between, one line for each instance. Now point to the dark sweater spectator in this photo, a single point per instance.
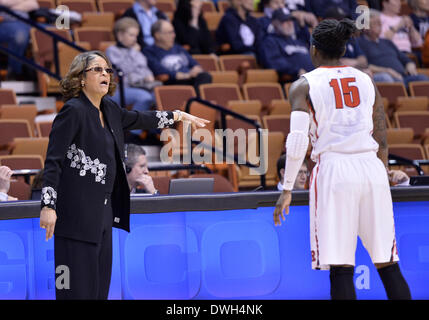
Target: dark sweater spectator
pixel 191 28
pixel 238 29
pixel 146 14
pixel 170 62
pixel 320 7
pixel 420 16
pixel 282 51
pixel 15 32
pixel 386 62
pixel 138 79
pixel 399 29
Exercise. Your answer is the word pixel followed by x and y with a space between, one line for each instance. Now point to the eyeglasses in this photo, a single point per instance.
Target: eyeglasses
pixel 100 70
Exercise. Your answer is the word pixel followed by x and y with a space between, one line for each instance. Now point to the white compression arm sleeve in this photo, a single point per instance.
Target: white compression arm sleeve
pixel 296 146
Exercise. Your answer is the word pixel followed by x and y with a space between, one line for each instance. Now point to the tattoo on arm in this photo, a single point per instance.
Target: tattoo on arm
pixel 379 132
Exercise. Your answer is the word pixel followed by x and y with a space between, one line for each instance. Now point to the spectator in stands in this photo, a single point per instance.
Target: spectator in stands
pixel 5 174
pixel 191 28
pixel 282 50
pixel 238 32
pixel 170 62
pixel 386 62
pixel 420 16
pixel 138 176
pixel 15 32
pixel 138 78
pixel 146 14
pixel 320 7
pixel 303 18
pixel 301 179
pixel 398 29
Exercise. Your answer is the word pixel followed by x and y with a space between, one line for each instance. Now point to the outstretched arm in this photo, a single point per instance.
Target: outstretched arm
pixel 296 144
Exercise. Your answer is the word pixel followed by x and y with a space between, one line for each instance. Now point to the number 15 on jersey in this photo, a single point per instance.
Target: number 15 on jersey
pixel 349 92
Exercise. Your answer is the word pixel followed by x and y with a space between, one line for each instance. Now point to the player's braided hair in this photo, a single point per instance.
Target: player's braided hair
pixel 330 36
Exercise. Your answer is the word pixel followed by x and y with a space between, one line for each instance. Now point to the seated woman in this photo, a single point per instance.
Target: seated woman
pixel 138 78
pixel 191 28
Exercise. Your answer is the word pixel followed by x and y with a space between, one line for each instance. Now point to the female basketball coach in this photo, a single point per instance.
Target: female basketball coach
pixel 85 191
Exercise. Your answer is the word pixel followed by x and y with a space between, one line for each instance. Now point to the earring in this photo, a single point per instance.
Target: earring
pixel 82 83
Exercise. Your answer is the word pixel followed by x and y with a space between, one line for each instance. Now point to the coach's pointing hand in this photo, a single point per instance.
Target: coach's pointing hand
pixel 282 206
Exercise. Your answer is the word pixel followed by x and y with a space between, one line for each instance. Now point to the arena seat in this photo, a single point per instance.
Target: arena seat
pixel 275 148
pixel 277 123
pixel 79 6
pixel 10 129
pixel 43 128
pixel 173 97
pixel 94 35
pixel 98 19
pixel 224 76
pixel 206 61
pixel 412 103
pixel 399 135
pixel 419 88
pixel 220 93
pixel 245 107
pixel 31 146
pixel 21 162
pixel 7 96
pixel 118 7
pixel 265 92
pixel 391 91
pixel 235 62
pixel 66 54
pixel 20 112
pixel 19 189
pixel 43 54
pixel 280 106
pixel 418 120
pixel 411 151
pixel 166 5
pixel 261 75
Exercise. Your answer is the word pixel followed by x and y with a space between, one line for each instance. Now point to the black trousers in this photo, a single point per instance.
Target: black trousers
pixel 89 264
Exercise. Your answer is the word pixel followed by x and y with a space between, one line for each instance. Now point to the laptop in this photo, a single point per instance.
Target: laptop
pixel 191 185
pixel 419 181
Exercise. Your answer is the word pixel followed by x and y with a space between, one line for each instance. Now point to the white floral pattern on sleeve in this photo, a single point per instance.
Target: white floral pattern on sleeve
pixel 163 120
pixel 49 196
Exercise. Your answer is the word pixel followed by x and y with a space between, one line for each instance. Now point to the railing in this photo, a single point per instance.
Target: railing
pixel 225 112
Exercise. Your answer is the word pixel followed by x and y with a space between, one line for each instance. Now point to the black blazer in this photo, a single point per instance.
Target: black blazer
pixel 75 169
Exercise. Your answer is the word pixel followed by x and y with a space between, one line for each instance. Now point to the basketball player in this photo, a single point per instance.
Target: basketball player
pixel 342 111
